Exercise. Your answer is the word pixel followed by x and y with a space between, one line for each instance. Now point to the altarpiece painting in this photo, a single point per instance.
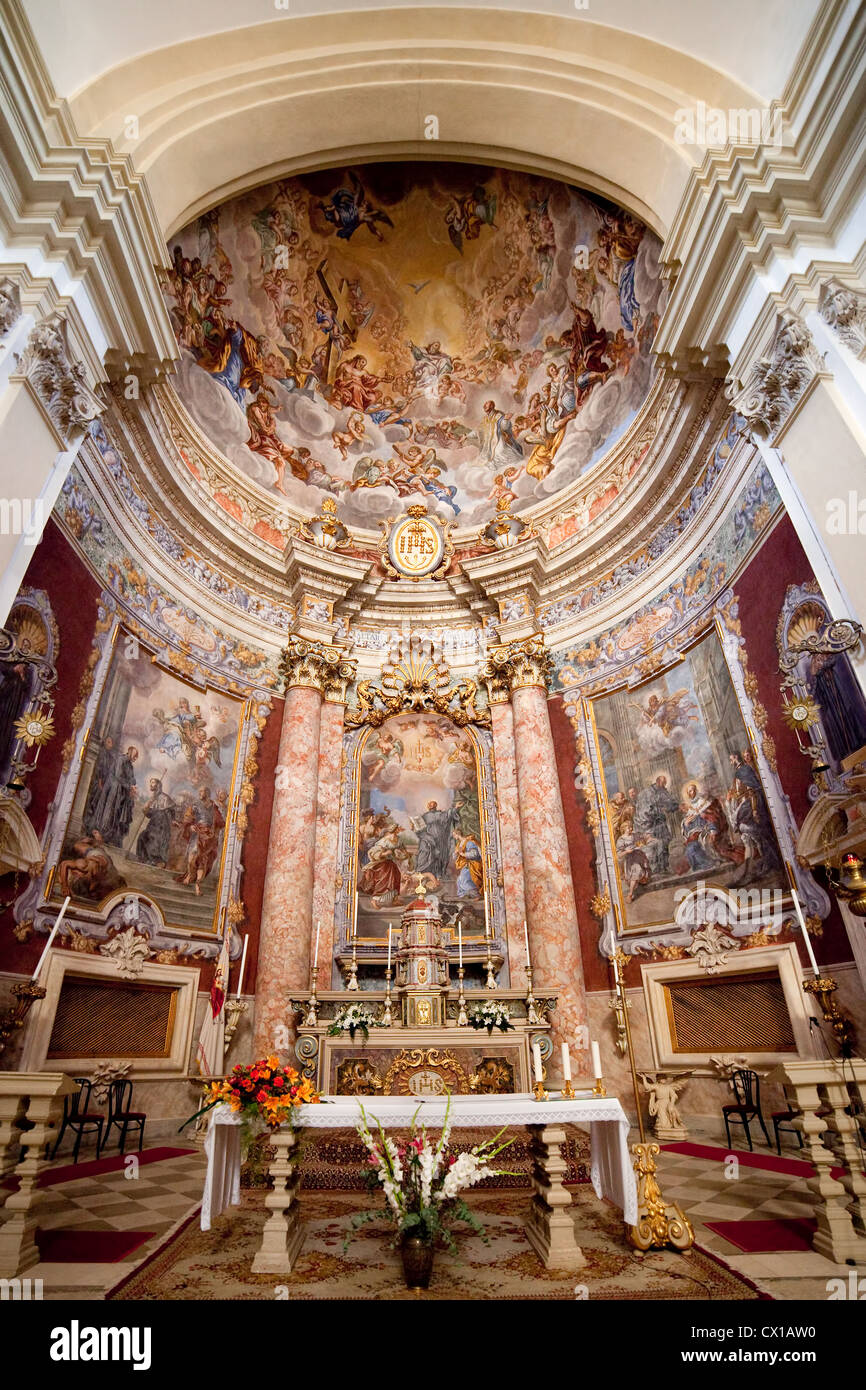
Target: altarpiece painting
pixel 684 799
pixel 151 804
pixel 419 820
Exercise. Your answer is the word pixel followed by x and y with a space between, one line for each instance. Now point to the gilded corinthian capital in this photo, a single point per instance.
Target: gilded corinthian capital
pixel 516 665
pixel 319 666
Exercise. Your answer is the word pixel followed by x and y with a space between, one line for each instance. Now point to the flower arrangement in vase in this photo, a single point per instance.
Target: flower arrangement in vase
pixel 265 1090
pixel 490 1015
pixel 422 1182
pixel 352 1019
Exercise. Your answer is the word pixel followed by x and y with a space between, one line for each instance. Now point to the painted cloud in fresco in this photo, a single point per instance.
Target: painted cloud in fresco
pixel 404 333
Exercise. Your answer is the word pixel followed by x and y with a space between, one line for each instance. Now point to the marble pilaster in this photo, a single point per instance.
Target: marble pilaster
pixel 287 906
pixel 502 725
pixel 327 831
pixel 521 670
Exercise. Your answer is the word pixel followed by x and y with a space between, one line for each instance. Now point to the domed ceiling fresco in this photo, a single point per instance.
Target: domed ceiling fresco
pixel 398 333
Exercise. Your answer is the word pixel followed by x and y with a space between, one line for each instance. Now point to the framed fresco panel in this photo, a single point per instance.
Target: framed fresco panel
pixel 150 809
pixel 683 795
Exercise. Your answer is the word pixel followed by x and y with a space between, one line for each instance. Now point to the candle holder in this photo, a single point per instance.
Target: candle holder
pixel 462 1016
pixel 539 1092
pixel 824 987
pixel 491 978
pixel 14 1019
pixel 568 1092
pixel 234 1009
pixel 387 1020
pixel 599 1089
pixel 311 1018
pixel 531 1011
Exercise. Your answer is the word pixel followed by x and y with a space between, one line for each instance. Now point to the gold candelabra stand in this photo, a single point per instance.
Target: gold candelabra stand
pixel 13 1020
pixel 568 1092
pixel 539 1092
pixel 462 1016
pixel 599 1089
pixel 659 1223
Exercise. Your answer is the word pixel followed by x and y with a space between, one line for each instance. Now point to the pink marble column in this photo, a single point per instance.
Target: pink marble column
pixel 285 954
pixel 502 725
pixel 550 908
pixel 327 831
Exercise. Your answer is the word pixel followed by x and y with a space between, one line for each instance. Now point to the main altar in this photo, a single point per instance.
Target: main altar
pixel 417 1039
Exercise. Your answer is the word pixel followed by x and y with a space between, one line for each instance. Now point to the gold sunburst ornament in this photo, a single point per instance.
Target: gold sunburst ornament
pixel 800 714
pixel 34 729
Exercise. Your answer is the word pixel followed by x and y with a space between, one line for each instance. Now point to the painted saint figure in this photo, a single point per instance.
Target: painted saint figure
pixel 152 845
pixel 434 841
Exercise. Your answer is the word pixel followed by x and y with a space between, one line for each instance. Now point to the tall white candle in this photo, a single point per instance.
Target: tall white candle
pixel 596 1061
pixel 50 940
pixel 355 919
pixel 243 966
pixel 566 1063
pixel 536 1060
pixel 316 953
pixel 390 929
pixel 486 916
pixel 526 939
pixel 460 940
pixel 803 928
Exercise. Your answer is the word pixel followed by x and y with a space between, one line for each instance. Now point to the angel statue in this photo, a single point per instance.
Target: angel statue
pixel 663 1091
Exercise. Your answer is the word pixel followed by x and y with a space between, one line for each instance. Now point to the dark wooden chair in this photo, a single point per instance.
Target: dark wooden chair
pixel 747 1104
pixel 77 1115
pixel 782 1121
pixel 119 1113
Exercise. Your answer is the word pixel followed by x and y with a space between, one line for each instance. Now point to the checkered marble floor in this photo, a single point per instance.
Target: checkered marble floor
pixel 158 1199
pixel 700 1187
pixel 164 1194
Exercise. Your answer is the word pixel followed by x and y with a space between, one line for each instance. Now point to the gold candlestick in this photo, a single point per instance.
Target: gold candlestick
pixel 568 1092
pixel 599 1089
pixel 312 1015
pixel 539 1093
pixel 352 981
pixel 491 978
pixel 387 1020
pixel 462 1016
pixel 531 1011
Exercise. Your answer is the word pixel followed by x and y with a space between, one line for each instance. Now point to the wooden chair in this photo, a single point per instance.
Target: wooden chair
pixel 77 1115
pixel 747 1105
pixel 782 1120
pixel 119 1113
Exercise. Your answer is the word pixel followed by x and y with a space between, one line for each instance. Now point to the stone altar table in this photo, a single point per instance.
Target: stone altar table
pixel 550 1223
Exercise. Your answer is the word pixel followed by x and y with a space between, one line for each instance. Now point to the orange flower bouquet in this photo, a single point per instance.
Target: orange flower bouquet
pixel 266 1090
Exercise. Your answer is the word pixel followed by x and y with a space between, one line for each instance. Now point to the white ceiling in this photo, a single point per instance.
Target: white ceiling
pixel 753 41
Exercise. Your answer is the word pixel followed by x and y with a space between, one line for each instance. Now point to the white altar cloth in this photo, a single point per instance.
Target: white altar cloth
pixel 610 1161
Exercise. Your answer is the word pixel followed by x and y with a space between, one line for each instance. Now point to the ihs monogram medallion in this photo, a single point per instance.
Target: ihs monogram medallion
pixel 416 546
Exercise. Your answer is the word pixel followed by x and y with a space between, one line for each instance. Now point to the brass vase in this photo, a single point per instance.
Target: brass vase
pixel 417 1256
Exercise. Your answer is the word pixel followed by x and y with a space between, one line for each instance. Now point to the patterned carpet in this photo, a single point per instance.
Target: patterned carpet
pixel 216 1265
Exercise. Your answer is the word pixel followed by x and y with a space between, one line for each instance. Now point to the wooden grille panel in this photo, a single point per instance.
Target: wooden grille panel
pixel 738 1013
pixel 112 1018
